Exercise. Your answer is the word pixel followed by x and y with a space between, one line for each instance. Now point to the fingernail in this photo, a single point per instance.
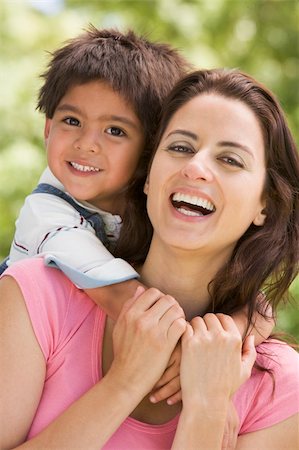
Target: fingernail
pixel 153 399
pixel 169 401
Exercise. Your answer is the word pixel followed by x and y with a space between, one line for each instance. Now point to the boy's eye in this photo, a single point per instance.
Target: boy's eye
pixel 115 131
pixel 231 161
pixel 72 121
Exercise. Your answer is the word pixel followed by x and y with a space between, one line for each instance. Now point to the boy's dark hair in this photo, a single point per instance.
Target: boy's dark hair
pixel 143 72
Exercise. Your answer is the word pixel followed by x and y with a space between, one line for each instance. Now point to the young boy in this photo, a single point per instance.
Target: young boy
pixel 102 96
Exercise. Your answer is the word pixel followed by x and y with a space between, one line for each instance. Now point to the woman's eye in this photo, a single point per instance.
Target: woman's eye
pixel 179 148
pixel 229 160
pixel 115 131
pixel 72 121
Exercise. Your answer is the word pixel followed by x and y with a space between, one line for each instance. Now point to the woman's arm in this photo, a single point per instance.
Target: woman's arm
pixel 23 366
pixel 213 366
pixel 282 436
pixel 143 344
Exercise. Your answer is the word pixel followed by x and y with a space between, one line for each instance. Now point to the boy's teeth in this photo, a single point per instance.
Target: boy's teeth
pixel 193 200
pixel 84 168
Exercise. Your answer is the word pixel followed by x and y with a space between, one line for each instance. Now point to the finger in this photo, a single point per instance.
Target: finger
pixel 227 323
pixel 167 376
pixel 145 300
pixel 212 322
pixel 166 391
pixel 198 324
pixel 176 330
pixel 171 314
pixel 175 398
pixel 248 355
pixel 248 350
pixel 163 305
pixel 128 304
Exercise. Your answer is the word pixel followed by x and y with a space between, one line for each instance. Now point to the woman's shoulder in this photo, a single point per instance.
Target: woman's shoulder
pixel 278 356
pixel 56 307
pixel 31 273
pixel 270 395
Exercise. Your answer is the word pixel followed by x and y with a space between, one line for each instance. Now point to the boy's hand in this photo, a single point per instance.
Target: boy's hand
pixel 168 387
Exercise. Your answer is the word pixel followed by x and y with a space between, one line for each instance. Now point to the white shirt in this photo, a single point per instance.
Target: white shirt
pixel 48 226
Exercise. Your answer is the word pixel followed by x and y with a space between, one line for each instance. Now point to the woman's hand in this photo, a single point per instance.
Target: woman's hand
pixel 144 337
pixel 230 435
pixel 214 363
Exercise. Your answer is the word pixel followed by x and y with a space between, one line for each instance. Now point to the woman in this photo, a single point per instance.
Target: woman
pixel 223 201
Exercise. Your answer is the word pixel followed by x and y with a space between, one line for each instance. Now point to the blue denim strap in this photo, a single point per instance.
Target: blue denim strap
pixel 3 265
pixel 94 219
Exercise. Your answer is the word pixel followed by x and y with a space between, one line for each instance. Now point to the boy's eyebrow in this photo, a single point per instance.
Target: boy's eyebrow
pixel 68 107
pixel 122 119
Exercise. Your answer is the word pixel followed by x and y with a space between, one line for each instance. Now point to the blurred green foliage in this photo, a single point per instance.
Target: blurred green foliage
pixel 259 36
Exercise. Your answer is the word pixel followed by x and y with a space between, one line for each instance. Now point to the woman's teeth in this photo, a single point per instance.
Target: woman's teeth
pixel 188 212
pixel 84 168
pixel 191 205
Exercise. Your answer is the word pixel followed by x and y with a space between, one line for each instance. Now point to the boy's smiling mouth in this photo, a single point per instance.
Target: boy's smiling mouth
pixel 82 168
pixel 191 205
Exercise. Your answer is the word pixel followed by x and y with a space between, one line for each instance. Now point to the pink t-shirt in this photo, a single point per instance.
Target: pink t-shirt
pixel 69 328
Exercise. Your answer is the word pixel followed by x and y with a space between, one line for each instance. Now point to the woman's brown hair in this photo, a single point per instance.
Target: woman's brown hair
pixel 265 259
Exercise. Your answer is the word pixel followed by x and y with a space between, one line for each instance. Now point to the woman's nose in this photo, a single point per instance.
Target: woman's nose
pixel 198 168
pixel 88 141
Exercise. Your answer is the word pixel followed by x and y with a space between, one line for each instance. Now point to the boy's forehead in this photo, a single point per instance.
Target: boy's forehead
pixel 98 97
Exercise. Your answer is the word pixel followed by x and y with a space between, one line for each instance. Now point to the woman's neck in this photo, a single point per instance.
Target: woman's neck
pixel 181 273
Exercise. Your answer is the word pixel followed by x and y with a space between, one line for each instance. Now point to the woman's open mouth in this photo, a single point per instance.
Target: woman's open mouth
pixel 191 205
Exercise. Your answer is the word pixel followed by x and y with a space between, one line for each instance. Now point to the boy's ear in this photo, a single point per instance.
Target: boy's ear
pixel 145 187
pixel 47 129
pixel 260 218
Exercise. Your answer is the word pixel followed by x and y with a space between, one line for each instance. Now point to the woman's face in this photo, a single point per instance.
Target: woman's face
pixel 206 181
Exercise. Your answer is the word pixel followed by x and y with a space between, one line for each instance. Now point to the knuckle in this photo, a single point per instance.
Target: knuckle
pixel 141 324
pixel 208 315
pixel 155 292
pixel 196 321
pixel 129 315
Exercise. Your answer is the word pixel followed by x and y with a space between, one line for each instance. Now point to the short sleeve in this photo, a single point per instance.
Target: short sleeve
pixel 50 298
pixel 272 396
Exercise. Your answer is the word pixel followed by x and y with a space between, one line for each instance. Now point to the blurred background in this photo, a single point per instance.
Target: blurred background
pixel 258 36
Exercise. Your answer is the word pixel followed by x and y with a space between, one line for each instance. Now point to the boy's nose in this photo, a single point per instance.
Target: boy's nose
pixel 88 142
pixel 198 168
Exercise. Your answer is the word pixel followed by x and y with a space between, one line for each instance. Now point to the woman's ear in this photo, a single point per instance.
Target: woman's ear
pixel 260 218
pixel 145 187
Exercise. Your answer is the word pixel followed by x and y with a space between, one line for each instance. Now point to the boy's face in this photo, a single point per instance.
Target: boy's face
pixel 94 142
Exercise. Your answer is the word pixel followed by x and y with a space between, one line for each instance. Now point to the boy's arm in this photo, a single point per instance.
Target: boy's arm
pixel 49 226
pixel 112 298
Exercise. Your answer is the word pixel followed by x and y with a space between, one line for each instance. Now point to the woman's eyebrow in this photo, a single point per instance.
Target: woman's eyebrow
pixel 184 133
pixel 236 145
